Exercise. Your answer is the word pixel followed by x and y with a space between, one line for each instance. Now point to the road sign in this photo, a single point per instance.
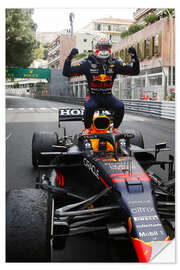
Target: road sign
pixel 38 73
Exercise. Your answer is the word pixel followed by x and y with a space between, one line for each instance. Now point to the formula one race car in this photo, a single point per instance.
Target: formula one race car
pixel 98 184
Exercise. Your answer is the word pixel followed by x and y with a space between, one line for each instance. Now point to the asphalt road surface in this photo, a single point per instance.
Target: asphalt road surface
pixel 24 116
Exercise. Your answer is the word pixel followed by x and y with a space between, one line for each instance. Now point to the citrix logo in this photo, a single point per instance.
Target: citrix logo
pixel 142 209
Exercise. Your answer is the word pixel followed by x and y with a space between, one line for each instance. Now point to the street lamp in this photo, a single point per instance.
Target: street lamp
pixel 172 56
pixel 71 18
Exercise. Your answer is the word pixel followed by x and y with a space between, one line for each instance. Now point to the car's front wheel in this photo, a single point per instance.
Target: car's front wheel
pixel 29 215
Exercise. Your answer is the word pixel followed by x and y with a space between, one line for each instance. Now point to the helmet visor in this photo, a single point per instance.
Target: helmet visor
pixel 102 123
pixel 103 47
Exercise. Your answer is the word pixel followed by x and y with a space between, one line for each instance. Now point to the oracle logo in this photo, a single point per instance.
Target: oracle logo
pixel 91 167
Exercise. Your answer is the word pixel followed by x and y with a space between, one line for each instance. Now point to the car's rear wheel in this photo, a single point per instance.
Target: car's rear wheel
pixel 29 215
pixel 42 142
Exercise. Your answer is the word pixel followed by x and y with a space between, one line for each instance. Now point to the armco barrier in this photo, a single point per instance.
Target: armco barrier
pixel 160 109
pixel 168 110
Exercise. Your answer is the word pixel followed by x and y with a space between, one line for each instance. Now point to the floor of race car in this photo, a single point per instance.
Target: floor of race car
pixel 87 248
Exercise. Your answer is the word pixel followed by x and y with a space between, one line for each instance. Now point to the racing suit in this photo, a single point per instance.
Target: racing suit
pixel 100 76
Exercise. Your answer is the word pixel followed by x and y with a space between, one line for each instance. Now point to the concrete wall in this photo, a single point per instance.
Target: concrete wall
pixel 58 85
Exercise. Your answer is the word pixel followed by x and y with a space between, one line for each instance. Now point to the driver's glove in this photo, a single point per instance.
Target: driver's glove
pixel 132 52
pixel 73 53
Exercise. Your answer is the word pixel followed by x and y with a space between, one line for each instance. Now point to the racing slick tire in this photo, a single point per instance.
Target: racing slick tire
pixel 137 139
pixel 42 142
pixel 28 225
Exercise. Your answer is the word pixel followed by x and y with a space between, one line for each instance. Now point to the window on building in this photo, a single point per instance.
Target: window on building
pixel 123 28
pixel 105 27
pixel 143 51
pixel 109 27
pixel 121 54
pixel 147 48
pixel 139 50
pixel 126 55
pixel 116 28
pixel 85 40
pixel 98 27
pixel 155 80
pixel 155 45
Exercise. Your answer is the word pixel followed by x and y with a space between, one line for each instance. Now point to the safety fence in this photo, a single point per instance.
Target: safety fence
pixel 162 109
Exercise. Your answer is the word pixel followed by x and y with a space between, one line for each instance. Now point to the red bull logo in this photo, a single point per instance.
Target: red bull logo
pixel 102 78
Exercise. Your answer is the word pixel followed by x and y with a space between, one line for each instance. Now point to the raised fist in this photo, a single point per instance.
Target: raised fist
pixel 132 52
pixel 73 53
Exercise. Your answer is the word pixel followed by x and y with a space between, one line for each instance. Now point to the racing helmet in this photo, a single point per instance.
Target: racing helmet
pixel 100 123
pixel 102 46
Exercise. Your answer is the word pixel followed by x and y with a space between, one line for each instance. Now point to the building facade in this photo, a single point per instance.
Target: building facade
pixel 59 49
pixel 155 45
pixel 84 42
pixel 112 27
pixel 141 13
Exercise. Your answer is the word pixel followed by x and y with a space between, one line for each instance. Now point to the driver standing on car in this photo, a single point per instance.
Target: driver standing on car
pixel 100 70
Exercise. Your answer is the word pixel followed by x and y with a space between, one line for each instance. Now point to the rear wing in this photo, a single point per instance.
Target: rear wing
pixel 76 114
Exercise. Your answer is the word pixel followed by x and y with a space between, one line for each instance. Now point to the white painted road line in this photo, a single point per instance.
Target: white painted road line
pixel 10 134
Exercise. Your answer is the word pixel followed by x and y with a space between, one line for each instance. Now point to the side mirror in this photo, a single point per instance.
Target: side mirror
pixel 159 146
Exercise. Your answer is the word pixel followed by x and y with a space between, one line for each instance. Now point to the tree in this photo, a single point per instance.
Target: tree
pixel 20 37
pixel 170 11
pixel 80 55
pixel 38 53
pixel 45 47
pixel 133 28
pixel 41 52
pixel 151 18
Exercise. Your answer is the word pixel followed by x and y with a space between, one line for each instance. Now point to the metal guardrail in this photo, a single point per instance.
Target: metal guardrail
pixel 160 109
pixel 168 109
